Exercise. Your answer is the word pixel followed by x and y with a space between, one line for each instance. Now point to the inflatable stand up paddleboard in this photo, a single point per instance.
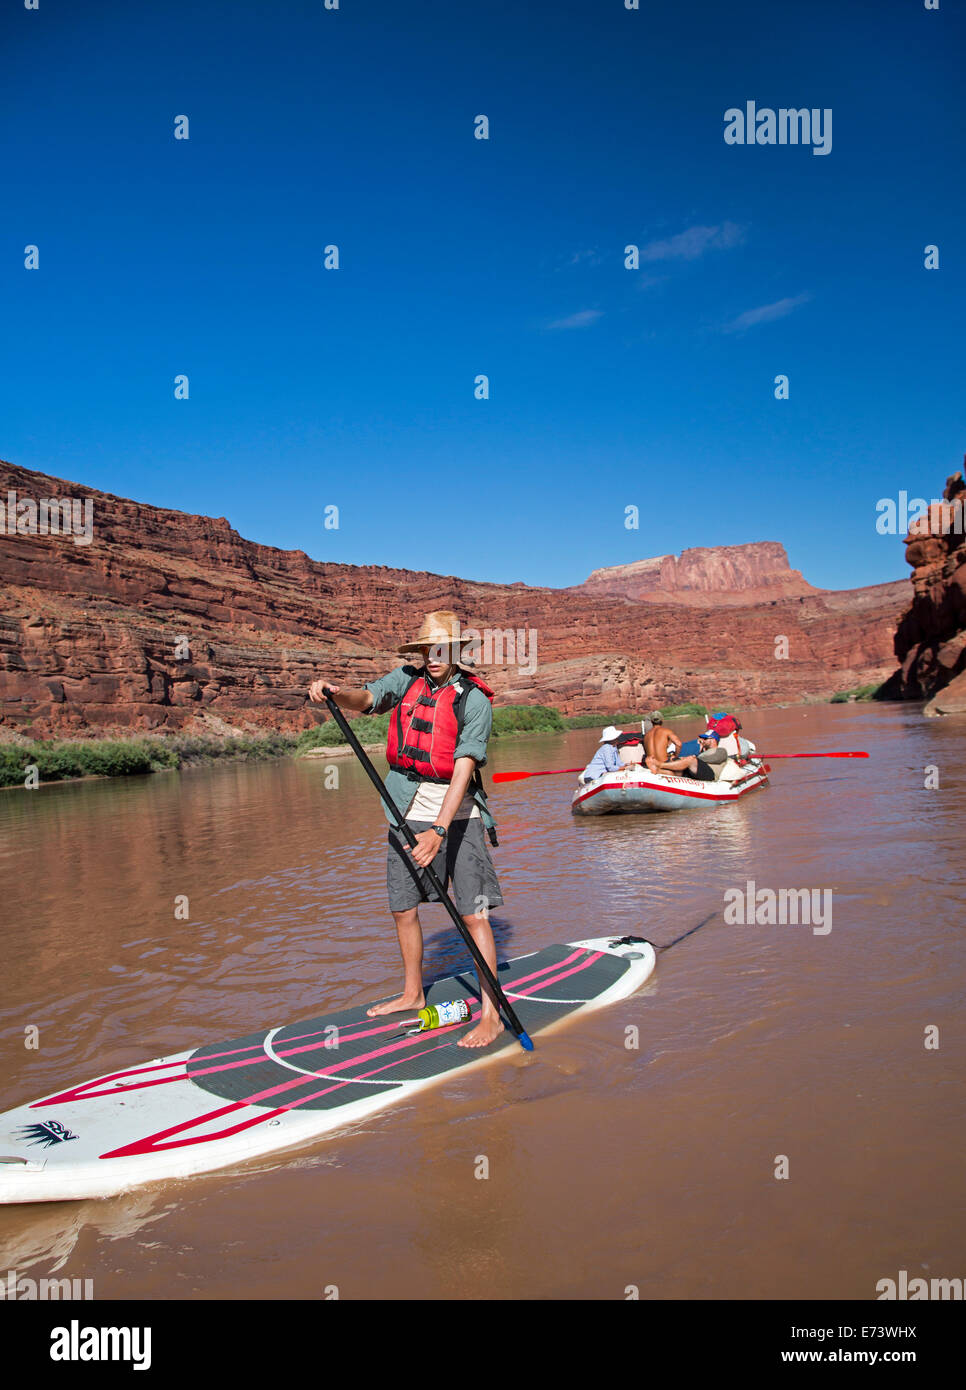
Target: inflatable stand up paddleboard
pixel 217 1105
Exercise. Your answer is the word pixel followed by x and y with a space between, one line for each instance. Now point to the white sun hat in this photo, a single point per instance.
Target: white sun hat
pixel 609 733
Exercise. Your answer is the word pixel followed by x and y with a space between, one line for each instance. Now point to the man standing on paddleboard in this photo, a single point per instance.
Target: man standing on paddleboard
pixel 438 734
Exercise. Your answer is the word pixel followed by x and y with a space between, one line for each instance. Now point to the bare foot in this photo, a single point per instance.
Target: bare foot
pixel 483 1034
pixel 402 1005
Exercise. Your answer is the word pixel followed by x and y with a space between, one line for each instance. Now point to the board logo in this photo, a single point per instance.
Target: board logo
pixel 47 1132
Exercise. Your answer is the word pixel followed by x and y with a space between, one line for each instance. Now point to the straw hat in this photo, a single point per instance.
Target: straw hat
pixel 440 628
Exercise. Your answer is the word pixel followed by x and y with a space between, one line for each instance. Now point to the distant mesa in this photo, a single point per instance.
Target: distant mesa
pixel 733 574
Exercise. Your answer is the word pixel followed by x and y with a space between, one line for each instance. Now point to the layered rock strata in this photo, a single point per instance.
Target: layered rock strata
pixel 168 621
pixel 930 638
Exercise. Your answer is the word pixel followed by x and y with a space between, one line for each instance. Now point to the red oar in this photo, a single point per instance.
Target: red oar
pixel 806 755
pixel 558 771
pixel 516 776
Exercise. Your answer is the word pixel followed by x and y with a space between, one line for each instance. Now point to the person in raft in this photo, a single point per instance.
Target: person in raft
pixel 606 759
pixel 660 744
pixel 437 742
pixel 697 758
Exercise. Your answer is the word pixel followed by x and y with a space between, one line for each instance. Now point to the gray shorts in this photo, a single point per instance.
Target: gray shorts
pixel 463 858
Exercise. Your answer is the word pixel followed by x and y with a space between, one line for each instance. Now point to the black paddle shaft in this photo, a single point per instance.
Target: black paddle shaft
pixel 406 830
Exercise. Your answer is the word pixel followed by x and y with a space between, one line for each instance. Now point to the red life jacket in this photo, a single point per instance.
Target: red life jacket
pixel 424 727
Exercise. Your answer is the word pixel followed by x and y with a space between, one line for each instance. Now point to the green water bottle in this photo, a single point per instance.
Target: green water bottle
pixel 443 1015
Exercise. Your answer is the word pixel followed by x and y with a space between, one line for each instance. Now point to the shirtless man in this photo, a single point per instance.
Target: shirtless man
pixel 660 745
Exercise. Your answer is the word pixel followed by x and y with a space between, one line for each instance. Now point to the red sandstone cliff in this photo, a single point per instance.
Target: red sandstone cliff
pixel 931 636
pixel 89 633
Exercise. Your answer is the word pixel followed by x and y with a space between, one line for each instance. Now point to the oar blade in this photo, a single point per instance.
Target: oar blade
pixel 812 755
pixel 516 776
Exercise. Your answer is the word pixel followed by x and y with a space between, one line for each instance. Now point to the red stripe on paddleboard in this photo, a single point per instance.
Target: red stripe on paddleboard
pixel 542 984
pixel 399 1022
pixel 408 1042
pixel 153 1143
pixel 150 1146
pixel 81 1092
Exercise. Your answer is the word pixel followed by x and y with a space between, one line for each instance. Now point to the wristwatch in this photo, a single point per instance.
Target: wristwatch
pixel 440 831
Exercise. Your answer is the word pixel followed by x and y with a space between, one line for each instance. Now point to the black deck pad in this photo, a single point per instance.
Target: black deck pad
pixel 363 1053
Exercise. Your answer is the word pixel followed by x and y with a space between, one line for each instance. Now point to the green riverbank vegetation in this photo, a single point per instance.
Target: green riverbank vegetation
pixel 860 693
pixel 57 761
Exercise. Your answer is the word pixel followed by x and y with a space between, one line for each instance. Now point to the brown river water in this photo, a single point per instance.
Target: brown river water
pixel 608 1167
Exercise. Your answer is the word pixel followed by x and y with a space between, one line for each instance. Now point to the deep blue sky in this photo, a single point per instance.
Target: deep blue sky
pixel 503 257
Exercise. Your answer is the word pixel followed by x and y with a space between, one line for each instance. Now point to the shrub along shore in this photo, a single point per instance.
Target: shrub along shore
pixel 57 761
